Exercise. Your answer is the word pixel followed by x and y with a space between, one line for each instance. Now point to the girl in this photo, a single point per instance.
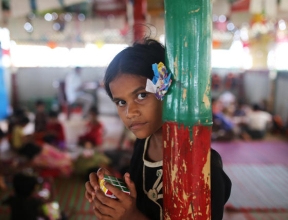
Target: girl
pixel 141 111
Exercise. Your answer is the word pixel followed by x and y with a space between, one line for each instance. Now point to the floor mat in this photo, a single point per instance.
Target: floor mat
pixel 258 187
pixel 253 152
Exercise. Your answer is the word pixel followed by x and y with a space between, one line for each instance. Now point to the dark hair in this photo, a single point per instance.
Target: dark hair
pixel 53 114
pixel 2 134
pixel 19 112
pixel 39 102
pixel 24 184
pixel 94 110
pixel 23 120
pixel 136 59
pixel 256 107
pixel 29 150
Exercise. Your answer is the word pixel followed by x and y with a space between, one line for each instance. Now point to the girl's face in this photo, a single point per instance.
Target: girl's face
pixel 140 111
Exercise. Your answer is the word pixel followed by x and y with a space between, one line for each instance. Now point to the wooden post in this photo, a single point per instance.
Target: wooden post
pixel 187 111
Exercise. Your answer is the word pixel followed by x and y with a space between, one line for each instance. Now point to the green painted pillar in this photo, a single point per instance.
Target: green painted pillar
pixel 187 110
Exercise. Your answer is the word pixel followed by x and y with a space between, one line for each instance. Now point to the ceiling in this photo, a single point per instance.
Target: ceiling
pixel 15 14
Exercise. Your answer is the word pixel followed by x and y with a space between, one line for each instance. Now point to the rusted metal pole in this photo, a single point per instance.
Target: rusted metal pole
pixel 140 11
pixel 187 111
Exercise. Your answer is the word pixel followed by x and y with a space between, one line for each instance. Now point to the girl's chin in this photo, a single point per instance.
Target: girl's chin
pixel 141 135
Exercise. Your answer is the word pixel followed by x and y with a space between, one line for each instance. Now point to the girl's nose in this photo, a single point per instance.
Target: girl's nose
pixel 132 111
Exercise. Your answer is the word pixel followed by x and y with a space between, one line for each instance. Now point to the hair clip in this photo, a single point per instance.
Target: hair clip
pixel 160 82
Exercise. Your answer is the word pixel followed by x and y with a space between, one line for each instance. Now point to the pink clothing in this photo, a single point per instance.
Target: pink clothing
pixel 52 158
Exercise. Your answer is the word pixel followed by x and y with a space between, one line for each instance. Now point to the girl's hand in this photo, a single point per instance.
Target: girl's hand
pixel 122 208
pixel 93 185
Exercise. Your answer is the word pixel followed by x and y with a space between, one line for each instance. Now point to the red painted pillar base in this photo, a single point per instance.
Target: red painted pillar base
pixel 186 173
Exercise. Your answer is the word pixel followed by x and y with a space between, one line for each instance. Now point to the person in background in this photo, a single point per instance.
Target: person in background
pixel 94 130
pixel 54 133
pixel 28 203
pixel 258 122
pixel 74 90
pixel 18 136
pixel 223 127
pixel 13 120
pixel 92 156
pixel 24 205
pixel 40 116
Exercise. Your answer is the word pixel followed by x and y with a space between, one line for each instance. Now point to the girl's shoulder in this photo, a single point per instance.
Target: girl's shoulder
pixel 216 159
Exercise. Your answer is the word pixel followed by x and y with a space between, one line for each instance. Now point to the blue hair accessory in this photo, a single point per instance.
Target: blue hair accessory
pixel 160 82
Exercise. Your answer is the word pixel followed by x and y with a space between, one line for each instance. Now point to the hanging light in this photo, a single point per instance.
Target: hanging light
pixel 28 27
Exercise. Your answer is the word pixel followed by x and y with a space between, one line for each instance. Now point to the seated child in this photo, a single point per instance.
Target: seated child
pixel 18 136
pixel 40 116
pixel 24 205
pixel 54 133
pixel 94 130
pixel 28 203
pixel 47 157
pixel 91 158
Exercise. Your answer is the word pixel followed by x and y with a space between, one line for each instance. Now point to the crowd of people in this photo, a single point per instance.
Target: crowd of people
pixel 233 119
pixel 34 147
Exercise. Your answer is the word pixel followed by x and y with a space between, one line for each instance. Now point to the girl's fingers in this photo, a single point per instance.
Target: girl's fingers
pixel 94 181
pixel 89 188
pixel 131 185
pixel 99 215
pixel 90 193
pixel 115 191
pixel 103 204
pixel 101 172
pixel 88 196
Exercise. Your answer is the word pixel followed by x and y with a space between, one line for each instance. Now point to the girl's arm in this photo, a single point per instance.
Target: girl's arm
pixel 122 208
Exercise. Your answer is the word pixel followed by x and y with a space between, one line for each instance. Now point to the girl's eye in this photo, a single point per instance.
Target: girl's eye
pixel 142 96
pixel 121 103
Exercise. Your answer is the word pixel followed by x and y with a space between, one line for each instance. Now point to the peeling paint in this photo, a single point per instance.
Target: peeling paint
pixel 194 11
pixel 176 67
pixel 196 132
pixel 190 210
pixel 184 166
pixel 184 95
pixel 167 217
pixel 185 183
pixel 185 197
pixel 206 170
pixel 206 99
pixel 167 131
pixel 174 173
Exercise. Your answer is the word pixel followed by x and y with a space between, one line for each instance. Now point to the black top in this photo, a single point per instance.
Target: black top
pixel 147 177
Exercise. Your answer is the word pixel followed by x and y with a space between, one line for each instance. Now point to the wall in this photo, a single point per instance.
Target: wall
pixel 33 83
pixel 257 86
pixel 281 97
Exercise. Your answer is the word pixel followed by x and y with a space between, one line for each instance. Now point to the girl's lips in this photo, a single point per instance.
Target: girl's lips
pixel 136 126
